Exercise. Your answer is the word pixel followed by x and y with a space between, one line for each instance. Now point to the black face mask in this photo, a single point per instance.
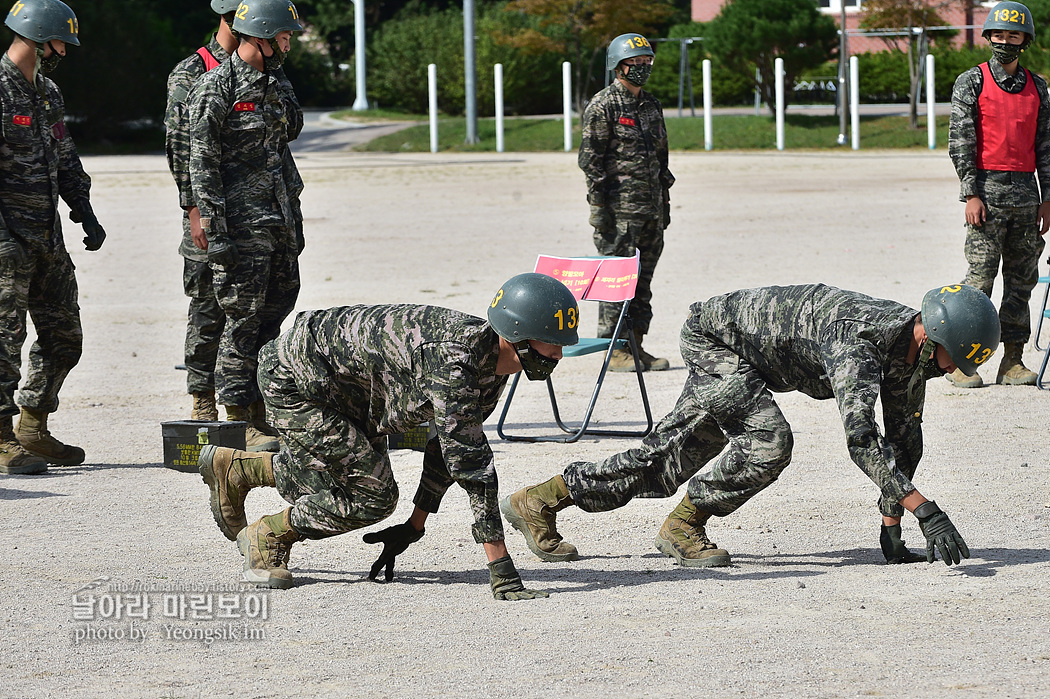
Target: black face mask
pixel 277 59
pixel 638 75
pixel 48 64
pixel 535 365
pixel 1007 53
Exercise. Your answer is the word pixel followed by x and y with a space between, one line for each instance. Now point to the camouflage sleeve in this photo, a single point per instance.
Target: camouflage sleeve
pixel 666 178
pixel 904 433
pixel 962 131
pixel 452 387
pixel 855 373
pixel 595 132
pixel 74 185
pixel 1042 139
pixel 291 104
pixel 177 139
pixel 207 115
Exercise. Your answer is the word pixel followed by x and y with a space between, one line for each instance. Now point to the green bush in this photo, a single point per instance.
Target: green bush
pixel 727 87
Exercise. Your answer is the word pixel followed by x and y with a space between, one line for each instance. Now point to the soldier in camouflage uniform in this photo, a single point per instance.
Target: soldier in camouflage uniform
pixel 38 164
pixel 623 154
pixel 340 380
pixel 244 181
pixel 205 318
pixel 742 347
pixel 999 140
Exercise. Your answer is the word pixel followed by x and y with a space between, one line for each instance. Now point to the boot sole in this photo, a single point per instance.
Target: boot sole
pixel 518 522
pixel 257 579
pixel 33 470
pixel 668 550
pixel 1016 382
pixel 56 462
pixel 204 467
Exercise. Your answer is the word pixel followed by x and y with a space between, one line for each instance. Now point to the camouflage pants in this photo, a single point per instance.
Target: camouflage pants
pixel 256 296
pixel 46 287
pixel 1010 235
pixel 725 423
pixel 204 324
pixel 622 240
pixel 337 477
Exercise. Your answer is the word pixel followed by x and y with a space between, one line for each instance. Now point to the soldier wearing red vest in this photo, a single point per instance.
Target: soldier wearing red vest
pixel 999 141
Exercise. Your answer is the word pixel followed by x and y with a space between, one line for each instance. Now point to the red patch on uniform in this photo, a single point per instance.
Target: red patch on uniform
pixel 58 130
pixel 244 107
pixel 627 121
pixel 22 120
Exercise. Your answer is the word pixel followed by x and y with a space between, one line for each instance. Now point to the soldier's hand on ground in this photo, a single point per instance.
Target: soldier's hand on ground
pixel 222 251
pixel 506 583
pixel 12 256
pixel 975 211
pixel 94 234
pixel 893 547
pixel 600 218
pixel 395 540
pixel 940 534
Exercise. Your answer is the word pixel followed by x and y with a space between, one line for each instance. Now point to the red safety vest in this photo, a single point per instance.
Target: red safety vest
pixel 209 60
pixel 1006 125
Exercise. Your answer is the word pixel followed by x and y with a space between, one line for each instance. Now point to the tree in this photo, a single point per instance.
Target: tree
pixel 581 30
pixel 915 17
pixel 749 34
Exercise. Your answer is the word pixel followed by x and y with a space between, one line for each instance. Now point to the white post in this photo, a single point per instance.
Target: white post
pixel 854 102
pixel 931 116
pixel 432 90
pixel 707 104
pixel 778 70
pixel 361 100
pixel 498 68
pixel 566 89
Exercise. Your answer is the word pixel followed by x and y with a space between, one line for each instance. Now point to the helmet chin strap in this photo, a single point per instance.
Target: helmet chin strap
pixel 917 378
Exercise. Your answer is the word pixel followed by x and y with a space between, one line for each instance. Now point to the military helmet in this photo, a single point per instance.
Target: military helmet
pixel 626 46
pixel 221 7
pixel 961 319
pixel 43 20
pixel 265 19
pixel 535 307
pixel 1011 17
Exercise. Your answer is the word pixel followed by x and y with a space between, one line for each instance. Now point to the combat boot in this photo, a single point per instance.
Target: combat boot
pixel 14 458
pixel 204 407
pixel 1012 370
pixel 961 380
pixel 254 440
pixel 531 511
pixel 683 538
pixel 622 361
pixel 32 434
pixel 266 546
pixel 257 411
pixel 229 475
pixel 650 362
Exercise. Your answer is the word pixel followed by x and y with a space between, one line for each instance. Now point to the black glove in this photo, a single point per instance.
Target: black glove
pixel 506 583
pixel 395 540
pixel 94 234
pixel 893 547
pixel 12 255
pixel 600 218
pixel 222 251
pixel 940 532
pixel 300 239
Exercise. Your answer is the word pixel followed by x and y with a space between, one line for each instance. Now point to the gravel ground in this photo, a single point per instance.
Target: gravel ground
pixel 808 608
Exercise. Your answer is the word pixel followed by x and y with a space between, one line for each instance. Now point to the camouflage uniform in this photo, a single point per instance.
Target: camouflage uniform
pixel 340 380
pixel 205 318
pixel 38 163
pixel 247 187
pixel 624 157
pixel 1011 229
pixel 741 347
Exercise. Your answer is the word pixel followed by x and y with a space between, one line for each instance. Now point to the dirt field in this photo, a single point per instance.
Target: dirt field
pixel 807 609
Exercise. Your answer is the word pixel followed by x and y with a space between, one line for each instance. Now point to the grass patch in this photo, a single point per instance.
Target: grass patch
pixel 728 133
pixel 371 115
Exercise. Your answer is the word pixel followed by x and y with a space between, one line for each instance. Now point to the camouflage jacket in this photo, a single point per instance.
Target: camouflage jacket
pixel 624 152
pixel 38 160
pixel 994 187
pixel 241 170
pixel 829 343
pixel 391 368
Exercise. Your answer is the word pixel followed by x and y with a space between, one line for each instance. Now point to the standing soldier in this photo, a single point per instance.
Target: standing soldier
pixel 624 157
pixel 741 347
pixel 205 317
pixel 244 181
pixel 339 381
pixel 999 140
pixel 38 163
